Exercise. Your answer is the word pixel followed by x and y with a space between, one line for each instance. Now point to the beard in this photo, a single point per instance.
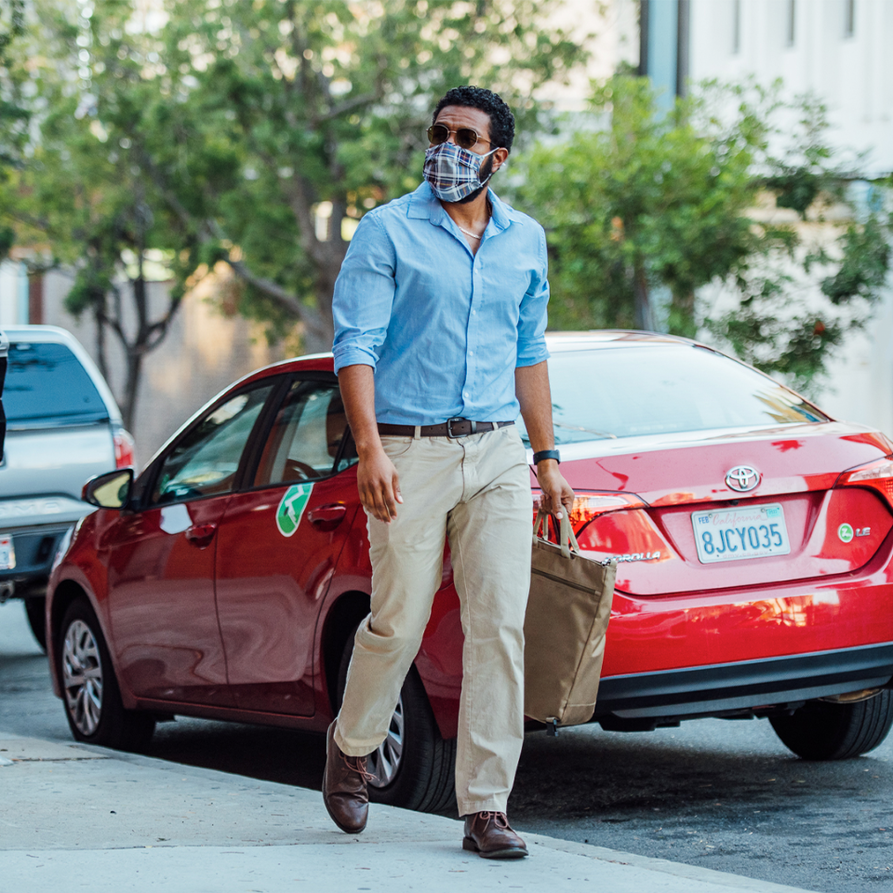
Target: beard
pixel 485 174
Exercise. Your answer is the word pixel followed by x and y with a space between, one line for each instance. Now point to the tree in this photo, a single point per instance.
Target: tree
pixel 316 112
pixel 13 118
pixel 254 134
pixel 641 204
pixel 82 191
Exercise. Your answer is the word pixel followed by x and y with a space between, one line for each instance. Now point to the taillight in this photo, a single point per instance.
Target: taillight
pixel 877 475
pixel 617 525
pixel 125 449
pixel 590 505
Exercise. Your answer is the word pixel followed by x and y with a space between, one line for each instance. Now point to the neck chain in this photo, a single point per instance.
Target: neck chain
pixel 474 235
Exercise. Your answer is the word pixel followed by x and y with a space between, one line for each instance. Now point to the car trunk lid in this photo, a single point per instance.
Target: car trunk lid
pixel 790 523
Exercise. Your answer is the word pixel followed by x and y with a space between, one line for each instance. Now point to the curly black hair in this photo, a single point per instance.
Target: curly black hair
pixel 502 121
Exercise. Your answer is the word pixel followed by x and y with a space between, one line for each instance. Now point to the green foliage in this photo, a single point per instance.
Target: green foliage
pixel 326 103
pixel 201 131
pixel 83 191
pixel 13 117
pixel 640 206
pixel 864 262
pixel 7 238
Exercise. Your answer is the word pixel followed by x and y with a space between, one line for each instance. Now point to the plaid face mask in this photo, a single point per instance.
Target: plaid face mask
pixel 452 172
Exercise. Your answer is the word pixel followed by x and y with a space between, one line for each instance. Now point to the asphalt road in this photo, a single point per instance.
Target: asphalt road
pixel 722 795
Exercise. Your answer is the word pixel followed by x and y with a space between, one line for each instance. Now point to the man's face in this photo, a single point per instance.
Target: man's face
pixel 456 117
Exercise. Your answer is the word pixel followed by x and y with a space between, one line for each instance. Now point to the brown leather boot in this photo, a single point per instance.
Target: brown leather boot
pixel 489 835
pixel 345 787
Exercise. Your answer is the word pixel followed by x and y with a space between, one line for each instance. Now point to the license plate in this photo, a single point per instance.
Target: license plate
pixel 7 554
pixel 732 534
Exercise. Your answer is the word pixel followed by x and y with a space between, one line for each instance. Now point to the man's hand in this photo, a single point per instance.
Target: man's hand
pixel 378 485
pixel 376 476
pixel 557 492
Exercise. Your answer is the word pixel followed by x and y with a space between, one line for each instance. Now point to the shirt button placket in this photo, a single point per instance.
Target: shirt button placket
pixel 471 331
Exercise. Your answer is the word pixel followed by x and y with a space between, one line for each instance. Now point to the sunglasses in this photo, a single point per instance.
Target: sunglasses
pixel 465 136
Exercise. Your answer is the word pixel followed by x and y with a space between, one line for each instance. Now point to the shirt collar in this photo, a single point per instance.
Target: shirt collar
pixel 424 204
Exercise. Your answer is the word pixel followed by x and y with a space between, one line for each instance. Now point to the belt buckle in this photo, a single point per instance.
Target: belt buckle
pixel 449 427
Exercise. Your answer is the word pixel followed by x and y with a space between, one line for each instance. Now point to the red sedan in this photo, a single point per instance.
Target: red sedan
pixel 753 535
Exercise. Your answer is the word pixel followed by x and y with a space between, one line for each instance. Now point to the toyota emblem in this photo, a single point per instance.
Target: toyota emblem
pixel 742 478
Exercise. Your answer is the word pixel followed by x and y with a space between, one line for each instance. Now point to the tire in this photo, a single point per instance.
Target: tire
pixel 415 766
pixel 825 730
pixel 90 692
pixel 34 610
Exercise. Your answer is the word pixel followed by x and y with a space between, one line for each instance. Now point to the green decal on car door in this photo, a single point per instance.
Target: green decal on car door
pixel 291 507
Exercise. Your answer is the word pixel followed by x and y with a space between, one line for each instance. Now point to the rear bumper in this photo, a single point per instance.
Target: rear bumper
pixel 35 549
pixel 755 685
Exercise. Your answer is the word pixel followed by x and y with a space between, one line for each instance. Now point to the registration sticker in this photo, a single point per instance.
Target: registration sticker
pixel 291 508
pixel 732 534
pixel 7 554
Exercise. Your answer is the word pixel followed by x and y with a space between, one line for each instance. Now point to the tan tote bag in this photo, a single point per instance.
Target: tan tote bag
pixel 564 630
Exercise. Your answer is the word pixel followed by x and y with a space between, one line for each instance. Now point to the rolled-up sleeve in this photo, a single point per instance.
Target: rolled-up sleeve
pixel 533 317
pixel 364 296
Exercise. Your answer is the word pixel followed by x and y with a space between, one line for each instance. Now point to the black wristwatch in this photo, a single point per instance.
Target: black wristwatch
pixel 546 454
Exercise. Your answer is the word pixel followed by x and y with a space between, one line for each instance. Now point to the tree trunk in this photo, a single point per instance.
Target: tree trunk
pixel 134 358
pixel 149 334
pixel 99 314
pixel 682 314
pixel 644 314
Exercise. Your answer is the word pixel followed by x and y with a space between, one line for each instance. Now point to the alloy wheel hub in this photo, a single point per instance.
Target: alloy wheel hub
pixel 82 677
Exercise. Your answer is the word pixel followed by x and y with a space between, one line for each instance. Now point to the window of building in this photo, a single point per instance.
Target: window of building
pixel 791 21
pixel 849 18
pixel 736 27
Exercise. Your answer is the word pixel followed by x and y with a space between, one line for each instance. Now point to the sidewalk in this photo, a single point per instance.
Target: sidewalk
pixel 74 818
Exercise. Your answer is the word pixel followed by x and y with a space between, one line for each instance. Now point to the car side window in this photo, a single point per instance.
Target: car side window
pixel 205 460
pixel 305 440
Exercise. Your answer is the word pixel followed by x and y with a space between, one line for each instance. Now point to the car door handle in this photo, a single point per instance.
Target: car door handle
pixel 327 517
pixel 201 534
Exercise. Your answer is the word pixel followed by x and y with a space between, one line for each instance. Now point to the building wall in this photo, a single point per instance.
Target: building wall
pixel 851 72
pixel 807 44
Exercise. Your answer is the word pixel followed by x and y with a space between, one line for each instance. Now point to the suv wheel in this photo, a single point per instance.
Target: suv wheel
pixel 93 706
pixel 414 767
pixel 827 730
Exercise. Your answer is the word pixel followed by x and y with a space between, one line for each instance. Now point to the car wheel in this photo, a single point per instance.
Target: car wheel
pixel 414 767
pixel 93 706
pixel 827 730
pixel 34 610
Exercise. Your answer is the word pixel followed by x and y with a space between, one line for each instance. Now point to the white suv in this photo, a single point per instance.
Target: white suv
pixel 63 427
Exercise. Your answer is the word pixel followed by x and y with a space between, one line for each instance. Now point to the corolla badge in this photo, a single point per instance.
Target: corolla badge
pixel 742 478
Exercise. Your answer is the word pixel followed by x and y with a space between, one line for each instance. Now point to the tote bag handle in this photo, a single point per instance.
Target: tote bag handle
pixel 566 533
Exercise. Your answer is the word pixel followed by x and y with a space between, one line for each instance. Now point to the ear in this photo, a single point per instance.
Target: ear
pixel 499 158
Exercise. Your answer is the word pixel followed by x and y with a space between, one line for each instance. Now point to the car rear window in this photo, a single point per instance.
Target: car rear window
pixel 631 391
pixel 46 384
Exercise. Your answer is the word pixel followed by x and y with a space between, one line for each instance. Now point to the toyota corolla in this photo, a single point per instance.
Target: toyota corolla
pixel 752 534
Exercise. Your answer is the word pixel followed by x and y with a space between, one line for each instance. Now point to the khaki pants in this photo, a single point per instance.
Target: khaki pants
pixel 474 490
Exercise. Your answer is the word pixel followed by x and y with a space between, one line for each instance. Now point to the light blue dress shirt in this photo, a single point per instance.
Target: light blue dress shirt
pixel 444 329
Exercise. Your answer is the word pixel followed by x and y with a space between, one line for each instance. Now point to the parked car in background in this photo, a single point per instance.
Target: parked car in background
pixel 4 352
pixel 754 537
pixel 63 427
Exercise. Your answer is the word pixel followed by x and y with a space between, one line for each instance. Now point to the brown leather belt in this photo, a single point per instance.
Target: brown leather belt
pixel 450 428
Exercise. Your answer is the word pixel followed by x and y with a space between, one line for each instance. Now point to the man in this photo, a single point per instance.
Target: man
pixel 440 310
